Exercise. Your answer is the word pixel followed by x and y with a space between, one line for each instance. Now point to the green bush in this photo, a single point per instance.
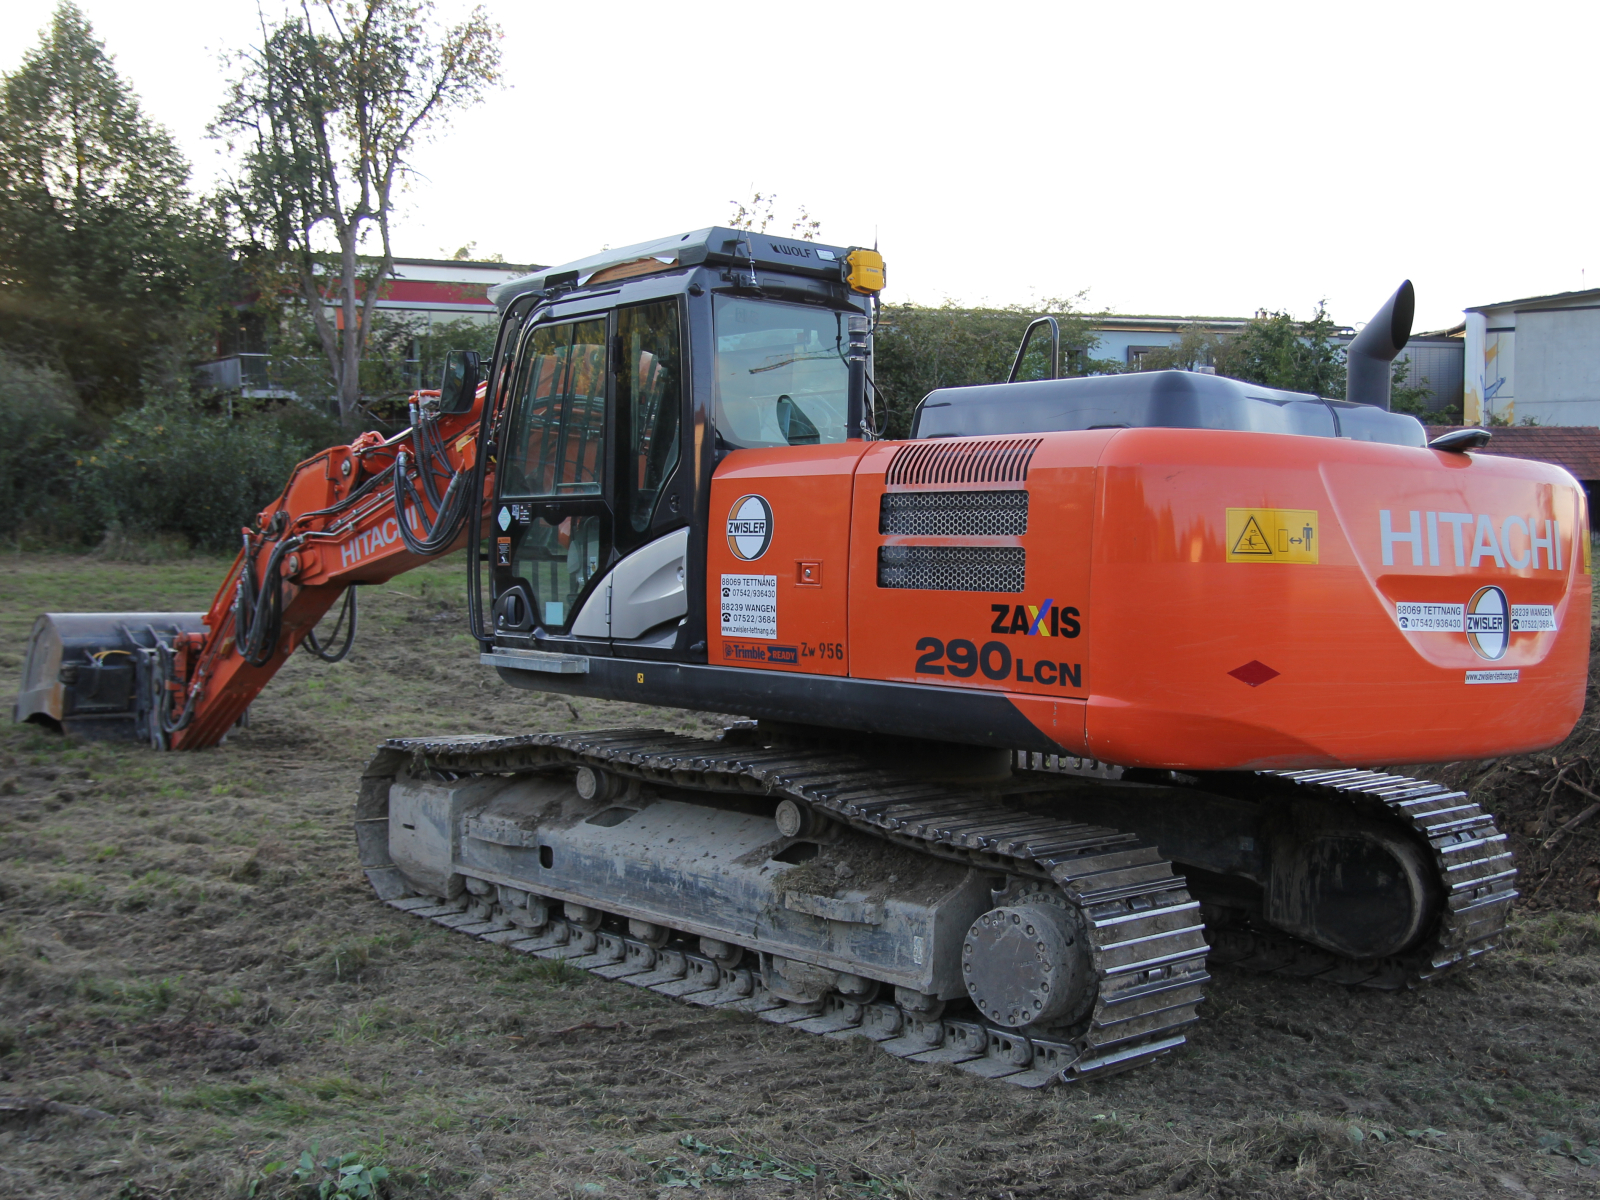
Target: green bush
pixel 42 426
pixel 917 349
pixel 172 468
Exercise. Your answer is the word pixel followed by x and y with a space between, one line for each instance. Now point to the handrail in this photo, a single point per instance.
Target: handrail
pixel 1055 347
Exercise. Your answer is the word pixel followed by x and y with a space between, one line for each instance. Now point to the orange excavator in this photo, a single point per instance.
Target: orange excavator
pixel 1085 685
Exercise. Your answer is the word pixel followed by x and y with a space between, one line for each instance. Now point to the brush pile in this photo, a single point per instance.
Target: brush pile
pixel 1548 804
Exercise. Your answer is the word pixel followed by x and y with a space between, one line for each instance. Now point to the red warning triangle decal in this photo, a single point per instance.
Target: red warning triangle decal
pixel 1251 540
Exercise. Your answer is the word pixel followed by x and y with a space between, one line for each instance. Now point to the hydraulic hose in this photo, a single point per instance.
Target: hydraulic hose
pixel 449 511
pixel 346 611
pixel 258 619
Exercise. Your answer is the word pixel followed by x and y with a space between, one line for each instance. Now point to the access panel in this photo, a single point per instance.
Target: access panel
pixel 778 559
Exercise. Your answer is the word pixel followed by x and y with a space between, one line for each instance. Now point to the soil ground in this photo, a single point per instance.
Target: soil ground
pixel 196 984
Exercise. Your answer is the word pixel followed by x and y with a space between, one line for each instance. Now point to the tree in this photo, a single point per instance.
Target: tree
pixel 757 215
pixel 1272 349
pixel 917 349
pixel 103 254
pixel 325 114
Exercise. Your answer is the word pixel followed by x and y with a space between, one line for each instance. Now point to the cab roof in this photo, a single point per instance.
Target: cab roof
pixel 716 244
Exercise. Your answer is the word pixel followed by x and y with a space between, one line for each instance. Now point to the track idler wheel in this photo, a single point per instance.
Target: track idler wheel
pixel 1027 964
pixel 1365 893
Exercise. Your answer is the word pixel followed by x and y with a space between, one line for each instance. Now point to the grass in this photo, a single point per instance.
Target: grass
pixel 187 944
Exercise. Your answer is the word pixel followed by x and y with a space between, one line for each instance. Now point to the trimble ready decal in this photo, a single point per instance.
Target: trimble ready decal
pixel 755 652
pixel 749 527
pixel 1513 541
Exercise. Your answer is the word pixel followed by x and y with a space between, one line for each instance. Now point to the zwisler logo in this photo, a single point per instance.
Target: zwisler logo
pixel 749 527
pixel 1489 623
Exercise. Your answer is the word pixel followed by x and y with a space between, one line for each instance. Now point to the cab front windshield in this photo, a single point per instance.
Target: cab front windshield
pixel 781 374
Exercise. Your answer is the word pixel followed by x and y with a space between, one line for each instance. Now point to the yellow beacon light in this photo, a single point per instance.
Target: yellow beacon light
pixel 866 271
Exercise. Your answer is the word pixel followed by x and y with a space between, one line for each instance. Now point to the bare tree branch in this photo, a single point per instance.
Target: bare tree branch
pixel 329 109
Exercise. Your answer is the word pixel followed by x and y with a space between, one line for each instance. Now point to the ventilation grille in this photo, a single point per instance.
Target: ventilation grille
pixel 942 460
pixel 954 514
pixel 952 568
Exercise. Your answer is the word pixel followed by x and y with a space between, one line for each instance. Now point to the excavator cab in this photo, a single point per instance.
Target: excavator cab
pixel 621 382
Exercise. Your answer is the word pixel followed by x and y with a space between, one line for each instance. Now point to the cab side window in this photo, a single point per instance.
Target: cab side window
pixel 557 436
pixel 649 393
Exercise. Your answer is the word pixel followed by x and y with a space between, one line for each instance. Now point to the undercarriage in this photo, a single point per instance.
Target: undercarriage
pixel 1020 916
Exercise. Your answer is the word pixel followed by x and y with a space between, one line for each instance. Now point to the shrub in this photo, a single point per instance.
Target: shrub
pixel 172 468
pixel 42 425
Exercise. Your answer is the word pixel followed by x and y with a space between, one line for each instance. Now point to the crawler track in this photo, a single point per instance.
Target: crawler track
pixel 1474 869
pixel 1148 946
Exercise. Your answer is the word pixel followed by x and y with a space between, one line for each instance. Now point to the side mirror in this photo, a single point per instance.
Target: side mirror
pixel 460 382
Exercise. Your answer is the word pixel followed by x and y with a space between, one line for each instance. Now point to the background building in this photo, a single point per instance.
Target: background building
pixel 1536 358
pixel 423 292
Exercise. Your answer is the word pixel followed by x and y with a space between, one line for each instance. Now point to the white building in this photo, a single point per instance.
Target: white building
pixel 1538 357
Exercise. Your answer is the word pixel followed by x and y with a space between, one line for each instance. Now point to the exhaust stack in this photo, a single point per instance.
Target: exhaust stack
pixel 1368 358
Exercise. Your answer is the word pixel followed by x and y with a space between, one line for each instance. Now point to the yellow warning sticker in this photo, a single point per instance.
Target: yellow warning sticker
pixel 1272 535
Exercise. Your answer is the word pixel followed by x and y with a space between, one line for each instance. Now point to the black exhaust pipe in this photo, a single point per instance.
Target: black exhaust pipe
pixel 1368 358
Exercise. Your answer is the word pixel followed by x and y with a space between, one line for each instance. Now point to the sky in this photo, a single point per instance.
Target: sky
pixel 1165 158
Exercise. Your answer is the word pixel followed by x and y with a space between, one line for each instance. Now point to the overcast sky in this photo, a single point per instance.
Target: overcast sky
pixel 1168 158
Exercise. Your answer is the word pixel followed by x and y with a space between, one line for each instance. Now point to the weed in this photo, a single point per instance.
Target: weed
pixel 1564 934
pixel 1573 1148
pixel 555 972
pixel 717 1164
pixel 233 1098
pixel 76 889
pixel 335 1087
pixel 349 958
pixel 145 996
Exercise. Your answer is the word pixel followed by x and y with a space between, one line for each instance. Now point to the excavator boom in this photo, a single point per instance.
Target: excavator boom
pixel 355 514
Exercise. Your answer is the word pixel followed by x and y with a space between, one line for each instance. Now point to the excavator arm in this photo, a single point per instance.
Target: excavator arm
pixel 356 514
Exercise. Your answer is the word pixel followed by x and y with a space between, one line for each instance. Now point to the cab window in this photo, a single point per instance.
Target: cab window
pixel 557 436
pixel 781 373
pixel 649 392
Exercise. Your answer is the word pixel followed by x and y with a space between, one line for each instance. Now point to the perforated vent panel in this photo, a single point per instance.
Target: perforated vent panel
pixel 952 568
pixel 962 460
pixel 954 514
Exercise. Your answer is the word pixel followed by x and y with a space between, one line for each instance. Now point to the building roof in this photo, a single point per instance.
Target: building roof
pixel 1584 294
pixel 1575 447
pixel 1157 323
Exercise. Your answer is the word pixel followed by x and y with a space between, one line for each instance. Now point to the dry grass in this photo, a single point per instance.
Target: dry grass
pixel 193 970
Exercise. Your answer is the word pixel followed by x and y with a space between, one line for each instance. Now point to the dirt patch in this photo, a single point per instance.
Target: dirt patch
pixel 187 946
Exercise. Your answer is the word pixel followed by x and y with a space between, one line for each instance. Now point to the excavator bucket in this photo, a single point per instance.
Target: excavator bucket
pixel 97 674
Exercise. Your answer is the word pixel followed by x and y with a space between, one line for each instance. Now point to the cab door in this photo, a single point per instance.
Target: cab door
pixel 553 529
pixel 646 595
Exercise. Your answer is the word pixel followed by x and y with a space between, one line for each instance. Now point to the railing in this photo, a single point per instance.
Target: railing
pixel 267 376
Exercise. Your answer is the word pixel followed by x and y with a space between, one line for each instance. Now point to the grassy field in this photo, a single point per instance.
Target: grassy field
pixel 196 985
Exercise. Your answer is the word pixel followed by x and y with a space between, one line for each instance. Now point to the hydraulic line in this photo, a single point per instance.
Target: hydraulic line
pixel 449 511
pixel 258 619
pixel 347 611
